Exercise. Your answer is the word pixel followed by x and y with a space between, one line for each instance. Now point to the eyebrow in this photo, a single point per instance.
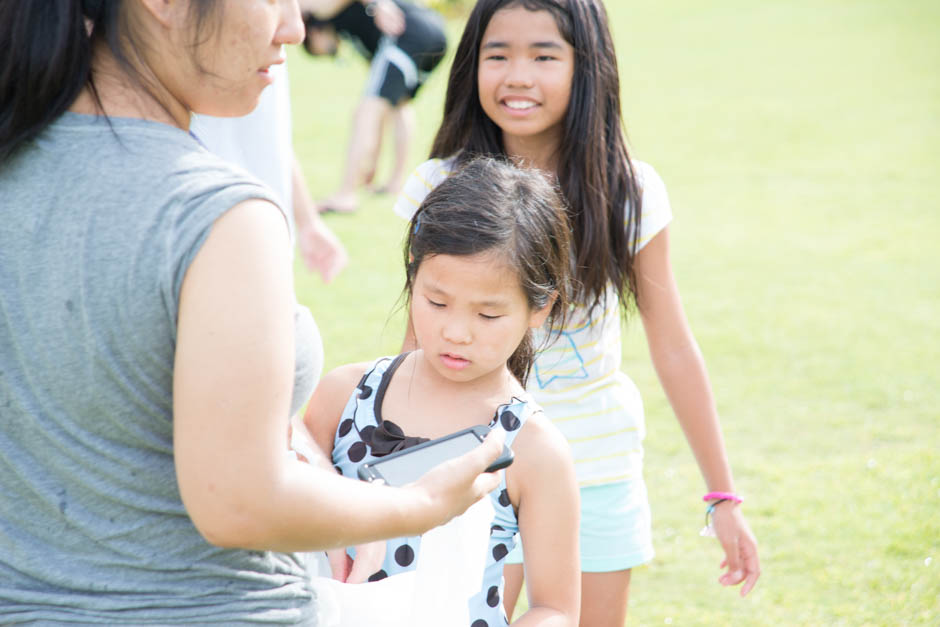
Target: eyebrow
pixel 495 304
pixel 538 44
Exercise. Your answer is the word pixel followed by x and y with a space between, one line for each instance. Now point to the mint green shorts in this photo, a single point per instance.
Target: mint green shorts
pixel 615 528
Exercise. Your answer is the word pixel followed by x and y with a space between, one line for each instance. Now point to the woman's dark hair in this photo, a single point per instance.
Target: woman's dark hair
pixel 489 205
pixel 594 170
pixel 46 60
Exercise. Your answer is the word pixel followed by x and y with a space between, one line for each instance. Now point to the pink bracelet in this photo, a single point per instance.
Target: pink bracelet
pixel 722 496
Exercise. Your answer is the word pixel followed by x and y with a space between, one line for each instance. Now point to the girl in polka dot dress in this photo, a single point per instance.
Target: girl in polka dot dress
pixel 487 261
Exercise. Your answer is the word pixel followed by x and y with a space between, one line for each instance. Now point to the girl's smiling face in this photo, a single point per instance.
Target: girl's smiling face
pixel 524 77
pixel 470 314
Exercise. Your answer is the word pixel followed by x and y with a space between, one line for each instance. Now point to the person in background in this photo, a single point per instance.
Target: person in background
pixel 150 347
pixel 403 42
pixel 261 142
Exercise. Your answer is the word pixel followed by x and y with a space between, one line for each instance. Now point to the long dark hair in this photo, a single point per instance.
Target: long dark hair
pixel 47 58
pixel 594 171
pixel 491 205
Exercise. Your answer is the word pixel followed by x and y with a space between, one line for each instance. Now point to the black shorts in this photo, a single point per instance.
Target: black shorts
pixel 401 65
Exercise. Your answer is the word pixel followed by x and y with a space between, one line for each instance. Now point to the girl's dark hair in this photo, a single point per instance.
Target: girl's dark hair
pixel 46 60
pixel 594 170
pixel 489 205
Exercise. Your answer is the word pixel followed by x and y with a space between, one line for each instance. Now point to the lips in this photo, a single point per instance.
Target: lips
pixel 266 68
pixel 454 362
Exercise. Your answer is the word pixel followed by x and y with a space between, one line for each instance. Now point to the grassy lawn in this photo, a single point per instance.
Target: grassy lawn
pixel 799 143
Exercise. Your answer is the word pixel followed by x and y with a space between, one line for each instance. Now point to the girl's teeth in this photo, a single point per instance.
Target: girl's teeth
pixel 519 104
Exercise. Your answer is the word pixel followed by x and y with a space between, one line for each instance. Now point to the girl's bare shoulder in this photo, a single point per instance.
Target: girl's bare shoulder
pixel 541 453
pixel 346 376
pixel 330 397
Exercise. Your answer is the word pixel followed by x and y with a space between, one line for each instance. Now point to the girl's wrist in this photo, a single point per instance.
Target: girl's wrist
pixel 717 498
pixel 723 496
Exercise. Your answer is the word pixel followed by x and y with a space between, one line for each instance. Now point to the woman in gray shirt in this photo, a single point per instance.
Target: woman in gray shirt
pixel 150 353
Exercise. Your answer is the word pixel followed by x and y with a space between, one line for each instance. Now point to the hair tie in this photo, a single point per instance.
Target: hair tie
pixel 722 496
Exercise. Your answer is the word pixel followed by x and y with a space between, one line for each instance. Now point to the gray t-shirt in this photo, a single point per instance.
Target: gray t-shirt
pixel 98 226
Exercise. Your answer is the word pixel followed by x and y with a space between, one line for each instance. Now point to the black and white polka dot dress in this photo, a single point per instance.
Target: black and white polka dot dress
pixel 357 442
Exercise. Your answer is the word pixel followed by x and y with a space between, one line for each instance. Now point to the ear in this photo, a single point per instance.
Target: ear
pixel 538 317
pixel 168 13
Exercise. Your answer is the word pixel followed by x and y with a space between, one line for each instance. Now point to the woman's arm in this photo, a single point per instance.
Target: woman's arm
pixel 681 370
pixel 321 420
pixel 231 393
pixel 542 482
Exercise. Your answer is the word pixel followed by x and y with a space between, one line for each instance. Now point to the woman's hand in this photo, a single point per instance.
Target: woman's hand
pixel 739 545
pixel 453 486
pixel 448 490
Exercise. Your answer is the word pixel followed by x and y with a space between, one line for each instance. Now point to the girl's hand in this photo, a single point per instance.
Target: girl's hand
pixel 739 545
pixel 369 558
pixel 340 564
pixel 320 249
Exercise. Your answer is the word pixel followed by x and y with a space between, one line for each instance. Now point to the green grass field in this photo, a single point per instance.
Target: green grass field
pixel 799 143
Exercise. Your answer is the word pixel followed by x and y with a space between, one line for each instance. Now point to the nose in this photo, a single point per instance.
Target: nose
pixel 291 28
pixel 519 74
pixel 456 331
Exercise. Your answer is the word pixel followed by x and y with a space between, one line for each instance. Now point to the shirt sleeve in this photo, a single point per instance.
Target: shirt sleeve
pixel 656 212
pixel 426 177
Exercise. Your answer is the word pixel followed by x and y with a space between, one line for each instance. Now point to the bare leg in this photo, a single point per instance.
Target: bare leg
pixel 404 117
pixel 604 598
pixel 362 154
pixel 369 168
pixel 513 576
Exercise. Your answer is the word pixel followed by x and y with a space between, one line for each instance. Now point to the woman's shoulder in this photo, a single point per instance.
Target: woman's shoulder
pixel 176 188
pixel 161 165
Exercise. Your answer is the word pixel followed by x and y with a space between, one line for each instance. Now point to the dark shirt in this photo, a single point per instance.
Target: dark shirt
pixel 423 38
